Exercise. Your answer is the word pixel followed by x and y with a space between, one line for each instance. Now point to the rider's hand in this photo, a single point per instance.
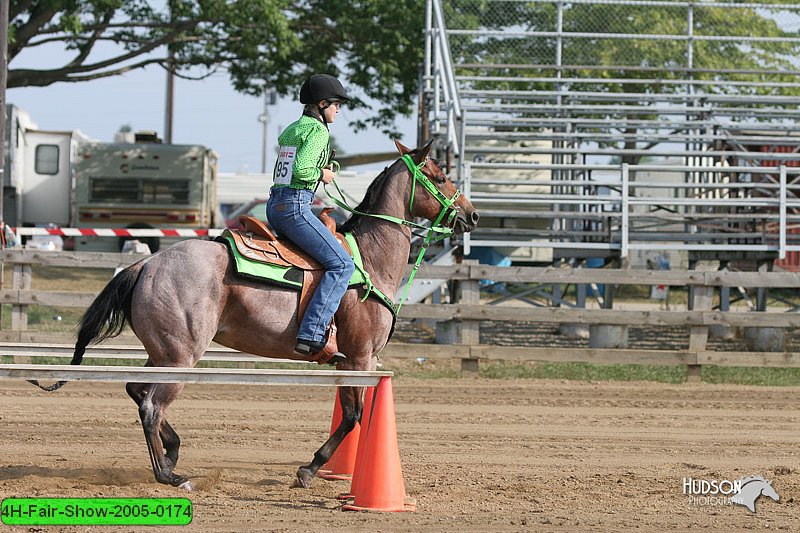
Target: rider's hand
pixel 327 175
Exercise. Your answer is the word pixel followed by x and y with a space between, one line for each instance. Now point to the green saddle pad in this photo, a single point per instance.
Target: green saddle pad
pixel 291 277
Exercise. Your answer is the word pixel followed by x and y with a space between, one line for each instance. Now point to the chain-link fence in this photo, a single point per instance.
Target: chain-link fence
pixel 576 98
pixel 722 42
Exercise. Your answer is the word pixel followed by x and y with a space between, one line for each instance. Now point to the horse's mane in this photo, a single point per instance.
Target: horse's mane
pixel 371 198
pixel 750 479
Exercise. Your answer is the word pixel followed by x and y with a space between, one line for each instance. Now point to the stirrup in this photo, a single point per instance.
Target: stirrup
pixel 319 352
pixel 323 352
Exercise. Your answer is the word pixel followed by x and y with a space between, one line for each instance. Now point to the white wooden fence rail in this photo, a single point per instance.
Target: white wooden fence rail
pixel 229 376
pixel 105 351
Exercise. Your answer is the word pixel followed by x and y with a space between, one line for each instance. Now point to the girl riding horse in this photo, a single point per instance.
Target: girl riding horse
pixel 304 154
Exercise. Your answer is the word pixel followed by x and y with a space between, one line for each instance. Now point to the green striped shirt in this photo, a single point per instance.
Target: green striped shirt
pixel 304 150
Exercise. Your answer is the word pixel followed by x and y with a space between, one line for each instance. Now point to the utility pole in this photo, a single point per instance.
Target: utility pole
pixel 3 111
pixel 3 103
pixel 170 98
pixel 270 97
pixel 169 104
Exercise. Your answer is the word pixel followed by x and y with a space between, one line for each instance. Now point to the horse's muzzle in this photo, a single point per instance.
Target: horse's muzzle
pixel 466 222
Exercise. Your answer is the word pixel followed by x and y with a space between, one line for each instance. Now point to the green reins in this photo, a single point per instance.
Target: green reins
pixel 437 231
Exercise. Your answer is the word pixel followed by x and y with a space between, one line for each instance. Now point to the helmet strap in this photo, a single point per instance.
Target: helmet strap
pixel 315 113
pixel 321 110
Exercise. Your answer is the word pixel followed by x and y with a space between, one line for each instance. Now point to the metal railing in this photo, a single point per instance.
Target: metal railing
pixel 577 100
pixel 440 81
pixel 618 213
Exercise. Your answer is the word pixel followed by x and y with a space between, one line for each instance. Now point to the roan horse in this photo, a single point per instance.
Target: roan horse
pixel 180 299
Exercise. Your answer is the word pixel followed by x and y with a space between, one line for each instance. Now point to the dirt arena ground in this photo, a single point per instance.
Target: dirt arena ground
pixel 478 455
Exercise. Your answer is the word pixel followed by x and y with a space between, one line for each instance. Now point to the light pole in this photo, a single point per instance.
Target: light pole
pixel 169 97
pixel 270 98
pixel 4 7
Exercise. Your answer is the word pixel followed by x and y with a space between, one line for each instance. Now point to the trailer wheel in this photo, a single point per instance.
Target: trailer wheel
pixel 154 243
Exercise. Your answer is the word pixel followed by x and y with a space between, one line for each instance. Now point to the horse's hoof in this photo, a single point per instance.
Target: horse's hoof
pixel 303 479
pixel 187 486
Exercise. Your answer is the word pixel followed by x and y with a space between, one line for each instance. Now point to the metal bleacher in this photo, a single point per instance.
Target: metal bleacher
pixel 617 129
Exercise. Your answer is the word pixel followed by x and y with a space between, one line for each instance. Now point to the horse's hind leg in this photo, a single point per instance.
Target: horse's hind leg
pixel 352 404
pixel 169 438
pixel 151 412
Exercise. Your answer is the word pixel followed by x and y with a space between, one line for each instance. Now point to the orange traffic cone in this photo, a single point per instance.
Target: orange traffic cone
pixel 343 460
pixel 369 396
pixel 380 484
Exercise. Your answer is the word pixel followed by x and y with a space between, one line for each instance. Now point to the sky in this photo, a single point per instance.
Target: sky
pixel 207 112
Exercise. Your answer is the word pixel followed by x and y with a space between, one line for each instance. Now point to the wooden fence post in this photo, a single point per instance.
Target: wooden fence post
pixel 701 300
pixel 20 280
pixel 469 293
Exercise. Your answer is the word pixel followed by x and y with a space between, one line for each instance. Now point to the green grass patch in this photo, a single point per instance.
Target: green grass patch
pixel 52 278
pixel 54 319
pixel 768 377
pixel 772 377
pixel 583 372
pixel 425 373
pixel 46 318
pixel 427 369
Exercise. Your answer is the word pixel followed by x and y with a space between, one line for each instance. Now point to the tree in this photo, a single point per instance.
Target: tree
pixel 375 46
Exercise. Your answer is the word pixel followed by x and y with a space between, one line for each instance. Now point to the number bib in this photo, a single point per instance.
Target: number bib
pixel 283 168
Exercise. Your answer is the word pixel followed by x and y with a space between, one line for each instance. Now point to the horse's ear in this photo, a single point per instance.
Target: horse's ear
pixel 403 149
pixel 422 153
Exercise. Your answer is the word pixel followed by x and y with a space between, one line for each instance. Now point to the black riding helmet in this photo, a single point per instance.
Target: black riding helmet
pixel 322 87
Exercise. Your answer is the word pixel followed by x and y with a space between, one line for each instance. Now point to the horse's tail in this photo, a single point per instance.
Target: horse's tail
pixel 105 318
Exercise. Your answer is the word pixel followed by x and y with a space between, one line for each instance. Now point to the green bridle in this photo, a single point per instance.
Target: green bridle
pixel 447 203
pixel 440 229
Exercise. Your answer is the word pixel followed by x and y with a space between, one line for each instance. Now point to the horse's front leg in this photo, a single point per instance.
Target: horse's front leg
pixel 352 404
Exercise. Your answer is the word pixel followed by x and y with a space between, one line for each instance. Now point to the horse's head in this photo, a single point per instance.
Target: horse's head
pixel 460 215
pixel 768 491
pixel 751 488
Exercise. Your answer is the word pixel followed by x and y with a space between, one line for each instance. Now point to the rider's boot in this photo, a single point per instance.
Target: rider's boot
pixel 322 352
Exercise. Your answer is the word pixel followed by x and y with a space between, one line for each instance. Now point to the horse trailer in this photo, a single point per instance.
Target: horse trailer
pixel 65 178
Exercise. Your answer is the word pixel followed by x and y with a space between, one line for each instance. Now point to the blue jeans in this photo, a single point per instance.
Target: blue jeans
pixel 289 213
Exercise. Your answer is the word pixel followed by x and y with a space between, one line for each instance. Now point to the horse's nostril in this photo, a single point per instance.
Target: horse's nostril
pixel 475 217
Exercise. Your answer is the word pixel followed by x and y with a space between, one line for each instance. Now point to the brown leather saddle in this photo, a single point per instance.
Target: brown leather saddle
pixel 258 243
